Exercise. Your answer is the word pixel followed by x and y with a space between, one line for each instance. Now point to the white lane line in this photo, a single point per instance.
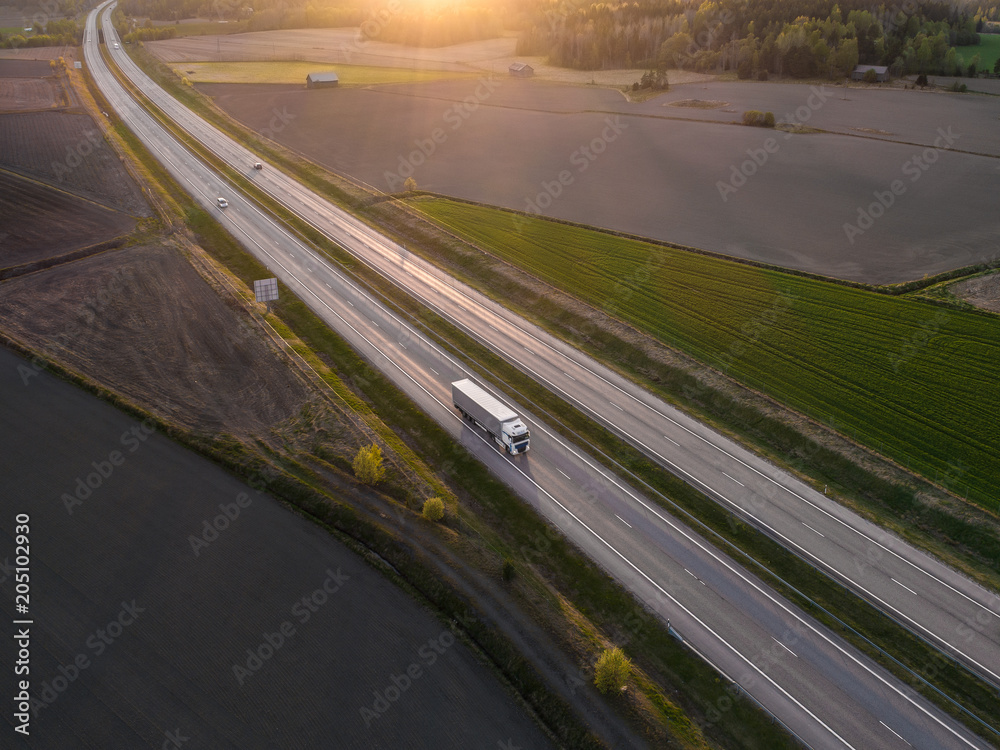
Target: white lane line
pixel 564 474
pixel 812 529
pixel 616 406
pixel 784 647
pixel 735 480
pixel 350 303
pixel 376 324
pixel 402 346
pixel 894 732
pixel 623 520
pixel 672 441
pixel 569 376
pixel 435 371
pixel 491 326
pixel 329 287
pixel 904 586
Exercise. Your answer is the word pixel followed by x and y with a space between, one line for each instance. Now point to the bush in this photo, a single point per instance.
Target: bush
pixel 410 184
pixel 507 571
pixel 368 466
pixel 757 119
pixel 870 76
pixel 762 75
pixel 613 670
pixel 434 509
pixel 922 80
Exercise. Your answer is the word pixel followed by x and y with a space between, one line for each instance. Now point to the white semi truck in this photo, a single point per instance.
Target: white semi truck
pixel 499 420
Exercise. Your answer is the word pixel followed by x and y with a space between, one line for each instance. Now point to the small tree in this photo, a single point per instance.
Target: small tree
pixel 410 184
pixel 769 119
pixel 613 670
pixel 434 509
pixel 368 466
pixel 870 76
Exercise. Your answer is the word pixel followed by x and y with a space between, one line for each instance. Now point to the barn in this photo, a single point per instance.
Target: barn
pixel 521 70
pixel 881 72
pixel 321 80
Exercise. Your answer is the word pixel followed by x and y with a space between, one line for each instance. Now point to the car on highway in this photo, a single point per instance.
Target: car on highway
pixel 116 45
pixel 258 165
pixel 223 203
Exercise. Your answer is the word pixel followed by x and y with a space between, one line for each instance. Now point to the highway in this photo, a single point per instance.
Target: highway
pixel 824 691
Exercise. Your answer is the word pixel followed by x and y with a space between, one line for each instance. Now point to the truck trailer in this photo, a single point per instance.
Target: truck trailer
pixel 498 419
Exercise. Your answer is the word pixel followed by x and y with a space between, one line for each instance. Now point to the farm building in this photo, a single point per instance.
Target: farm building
pixel 881 72
pixel 321 80
pixel 521 70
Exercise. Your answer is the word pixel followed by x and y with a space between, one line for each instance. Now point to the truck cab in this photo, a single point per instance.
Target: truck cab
pixel 516 437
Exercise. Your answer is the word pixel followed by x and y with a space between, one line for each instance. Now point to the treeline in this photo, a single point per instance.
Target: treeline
pixel 800 38
pixel 59 33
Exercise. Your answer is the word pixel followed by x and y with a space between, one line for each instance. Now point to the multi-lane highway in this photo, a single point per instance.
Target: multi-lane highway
pixel 823 690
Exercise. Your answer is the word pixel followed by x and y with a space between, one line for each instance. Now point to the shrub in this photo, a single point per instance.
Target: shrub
pixel 434 509
pixel 410 184
pixel 507 571
pixel 769 119
pixel 870 76
pixel 757 119
pixel 368 466
pixel 762 75
pixel 922 80
pixel 613 670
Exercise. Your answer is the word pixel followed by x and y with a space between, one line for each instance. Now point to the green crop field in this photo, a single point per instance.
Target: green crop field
pixel 296 72
pixel 916 381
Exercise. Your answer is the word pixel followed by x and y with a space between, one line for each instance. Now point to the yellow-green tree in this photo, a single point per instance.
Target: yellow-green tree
pixel 613 670
pixel 368 466
pixel 434 509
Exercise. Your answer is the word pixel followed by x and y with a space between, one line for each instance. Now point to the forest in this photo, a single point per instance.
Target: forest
pixel 798 38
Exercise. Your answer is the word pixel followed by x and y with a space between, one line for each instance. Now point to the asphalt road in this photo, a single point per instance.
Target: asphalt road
pixel 825 692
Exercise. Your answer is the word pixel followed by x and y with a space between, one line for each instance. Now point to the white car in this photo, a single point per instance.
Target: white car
pixel 116 45
pixel 223 203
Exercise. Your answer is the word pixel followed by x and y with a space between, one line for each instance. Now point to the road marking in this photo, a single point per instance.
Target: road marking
pixel 402 346
pixel 894 732
pixel 329 287
pixel 569 376
pixel 904 586
pixel 812 529
pixel 784 647
pixel 735 480
pixel 623 520
pixel 491 326
pixel 617 407
pixel 672 441
pixel 435 371
pixel 375 324
pixel 528 350
pixel 564 474
pixel 350 303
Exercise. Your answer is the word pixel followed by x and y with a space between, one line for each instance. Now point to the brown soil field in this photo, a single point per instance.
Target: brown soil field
pixel 143 322
pixel 28 94
pixel 39 53
pixel 981 291
pixel 24 68
pixel 38 221
pixel 653 170
pixel 68 150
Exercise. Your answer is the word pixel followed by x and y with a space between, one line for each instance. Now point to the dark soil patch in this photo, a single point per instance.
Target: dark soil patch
pixel 38 221
pixel 69 150
pixel 24 68
pixel 143 322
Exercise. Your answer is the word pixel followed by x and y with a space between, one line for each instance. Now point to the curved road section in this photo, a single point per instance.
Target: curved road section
pixel 822 690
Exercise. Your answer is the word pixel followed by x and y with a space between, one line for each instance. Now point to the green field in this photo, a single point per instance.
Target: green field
pixel 988 50
pixel 916 381
pixel 296 72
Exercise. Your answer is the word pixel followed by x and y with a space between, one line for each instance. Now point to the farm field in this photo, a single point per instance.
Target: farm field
pixel 988 50
pixel 188 618
pixel 38 221
pixel 667 163
pixel 295 72
pixel 915 381
pixel 69 151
